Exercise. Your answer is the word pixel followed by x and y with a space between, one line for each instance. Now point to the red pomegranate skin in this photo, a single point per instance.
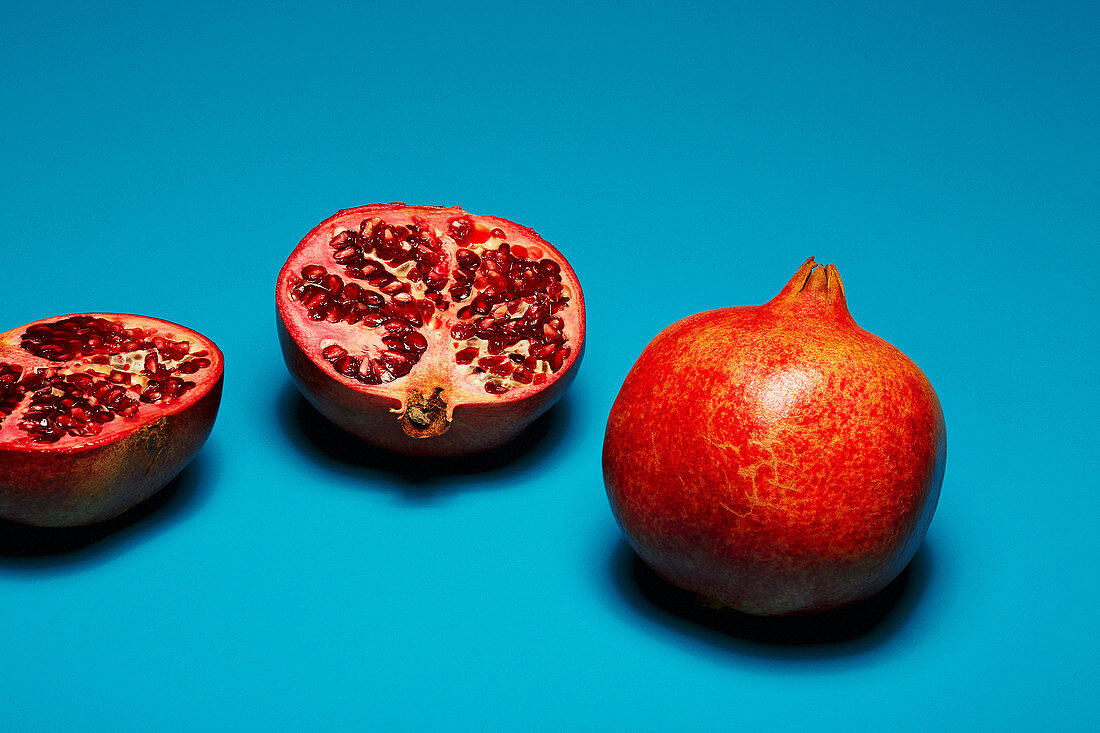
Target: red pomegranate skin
pixel 84 481
pixel 84 486
pixel 777 459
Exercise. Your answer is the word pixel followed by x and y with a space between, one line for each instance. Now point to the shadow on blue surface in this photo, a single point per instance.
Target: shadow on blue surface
pixel 842 632
pixel 324 442
pixel 28 549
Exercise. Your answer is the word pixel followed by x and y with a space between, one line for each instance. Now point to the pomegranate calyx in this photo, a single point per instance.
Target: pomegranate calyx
pixel 424 416
pixel 814 288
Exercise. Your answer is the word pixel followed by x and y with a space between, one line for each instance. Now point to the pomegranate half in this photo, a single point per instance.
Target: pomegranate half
pixel 98 411
pixel 429 331
pixel 778 459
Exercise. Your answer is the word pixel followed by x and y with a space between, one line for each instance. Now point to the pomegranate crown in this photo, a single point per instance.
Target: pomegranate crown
pixel 815 289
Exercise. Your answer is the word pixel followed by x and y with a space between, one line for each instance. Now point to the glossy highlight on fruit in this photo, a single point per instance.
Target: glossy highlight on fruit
pixel 777 459
pixel 98 411
pixel 427 330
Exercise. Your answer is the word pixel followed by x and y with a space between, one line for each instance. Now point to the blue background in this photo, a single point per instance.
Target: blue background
pixel 165 159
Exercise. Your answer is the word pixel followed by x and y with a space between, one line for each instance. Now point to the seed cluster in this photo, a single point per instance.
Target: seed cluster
pixel 512 300
pixel 12 389
pixel 117 369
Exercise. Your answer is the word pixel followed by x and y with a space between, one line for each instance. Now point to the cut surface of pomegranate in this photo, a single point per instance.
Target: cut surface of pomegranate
pixel 98 411
pixel 427 330
pixel 776 458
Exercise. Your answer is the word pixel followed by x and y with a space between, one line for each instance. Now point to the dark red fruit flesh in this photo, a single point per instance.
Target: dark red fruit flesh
pixel 427 330
pixel 98 411
pixel 778 459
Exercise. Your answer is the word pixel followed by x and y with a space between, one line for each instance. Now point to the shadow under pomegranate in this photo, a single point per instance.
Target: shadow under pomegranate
pixel 314 434
pixel 842 630
pixel 26 546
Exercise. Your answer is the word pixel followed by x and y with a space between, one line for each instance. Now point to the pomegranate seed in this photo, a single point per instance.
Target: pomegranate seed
pixel 333 352
pixel 465 356
pixel 368 374
pixel 366 227
pixel 541 351
pixel 335 312
pixel 396 325
pixel 313 296
pixel 333 284
pixel 497 233
pixel 462 331
pixel 415 341
pixel 394 286
pixel 182 348
pixel 375 318
pixel 550 332
pixel 518 250
pixel 495 387
pixel 522 375
pixel 467 259
pixel 396 362
pixel 459 229
pixel 342 239
pixel 557 358
pixel 502 370
pixel 346 255
pixel 348 366
pixel 351 292
pixel 313 273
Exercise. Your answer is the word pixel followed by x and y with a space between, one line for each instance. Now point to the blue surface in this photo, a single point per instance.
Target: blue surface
pixel 944 156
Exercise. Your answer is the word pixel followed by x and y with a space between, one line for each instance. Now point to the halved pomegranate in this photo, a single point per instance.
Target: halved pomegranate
pixel 98 411
pixel 427 330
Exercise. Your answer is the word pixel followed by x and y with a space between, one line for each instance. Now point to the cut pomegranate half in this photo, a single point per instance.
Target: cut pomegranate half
pixel 98 411
pixel 427 330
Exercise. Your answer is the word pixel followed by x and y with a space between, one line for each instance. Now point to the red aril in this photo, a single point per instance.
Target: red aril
pixel 429 331
pixel 98 411
pixel 777 459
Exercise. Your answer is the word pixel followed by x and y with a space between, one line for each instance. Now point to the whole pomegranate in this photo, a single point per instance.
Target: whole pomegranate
pixel 777 459
pixel 427 330
pixel 98 411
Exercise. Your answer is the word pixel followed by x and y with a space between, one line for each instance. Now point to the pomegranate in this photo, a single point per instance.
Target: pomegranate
pixel 777 459
pixel 98 411
pixel 429 331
